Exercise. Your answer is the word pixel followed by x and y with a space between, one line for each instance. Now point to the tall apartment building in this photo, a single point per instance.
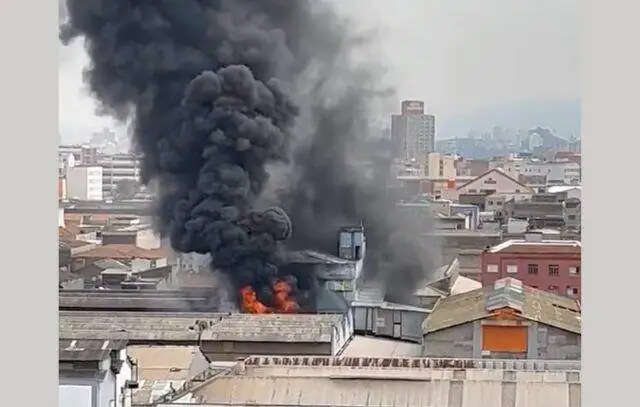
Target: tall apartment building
pixel 118 167
pixel 84 183
pixel 413 133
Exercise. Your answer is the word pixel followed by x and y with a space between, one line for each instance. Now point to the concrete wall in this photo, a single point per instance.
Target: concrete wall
pixel 554 343
pixel 454 342
pixel 342 333
pixel 230 351
pixel 465 341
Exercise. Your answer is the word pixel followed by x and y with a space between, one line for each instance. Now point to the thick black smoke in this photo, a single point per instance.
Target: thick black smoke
pixel 206 85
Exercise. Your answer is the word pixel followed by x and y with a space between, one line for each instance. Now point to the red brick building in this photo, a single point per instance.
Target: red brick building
pixel 548 265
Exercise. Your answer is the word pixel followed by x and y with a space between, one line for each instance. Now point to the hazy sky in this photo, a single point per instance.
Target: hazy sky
pixel 456 55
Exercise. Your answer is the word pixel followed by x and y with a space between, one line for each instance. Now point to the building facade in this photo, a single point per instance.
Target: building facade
pixel 548 265
pixel 563 172
pixel 116 168
pixel 94 373
pixel 84 183
pixel 494 181
pixel 413 132
pixel 440 166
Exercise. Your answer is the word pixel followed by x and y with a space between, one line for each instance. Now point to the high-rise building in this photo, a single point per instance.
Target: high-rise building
pixel 413 132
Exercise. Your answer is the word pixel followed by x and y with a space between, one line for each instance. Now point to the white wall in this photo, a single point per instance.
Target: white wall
pixel 556 172
pixel 514 167
pixel 148 239
pixel 111 388
pixel 125 374
pixel 74 396
pixel 84 183
pixel 106 392
pixel 60 217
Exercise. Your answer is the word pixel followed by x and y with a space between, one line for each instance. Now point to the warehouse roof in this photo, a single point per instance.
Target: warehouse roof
pixel 183 326
pixel 540 306
pixel 72 350
pixel 276 381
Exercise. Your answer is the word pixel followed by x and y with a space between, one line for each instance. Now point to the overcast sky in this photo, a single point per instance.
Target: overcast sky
pixel 457 55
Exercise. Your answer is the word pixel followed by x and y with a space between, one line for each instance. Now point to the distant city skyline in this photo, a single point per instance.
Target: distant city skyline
pixel 470 62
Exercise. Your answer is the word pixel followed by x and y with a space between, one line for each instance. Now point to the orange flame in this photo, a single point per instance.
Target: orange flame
pixel 250 302
pixel 282 302
pixel 281 291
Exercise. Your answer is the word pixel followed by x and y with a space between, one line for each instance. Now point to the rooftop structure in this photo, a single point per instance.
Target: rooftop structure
pixel 123 252
pixel 550 265
pixel 533 304
pixel 92 372
pixel 506 319
pixel 390 382
pixel 222 336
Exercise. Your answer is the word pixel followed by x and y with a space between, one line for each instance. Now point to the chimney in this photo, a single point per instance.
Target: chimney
pixel 533 236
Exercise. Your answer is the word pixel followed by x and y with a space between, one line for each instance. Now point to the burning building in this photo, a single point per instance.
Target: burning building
pixel 219 94
pixel 311 281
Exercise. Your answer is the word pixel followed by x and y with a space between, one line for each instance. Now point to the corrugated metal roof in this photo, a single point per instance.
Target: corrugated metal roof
pixel 540 306
pixel 222 326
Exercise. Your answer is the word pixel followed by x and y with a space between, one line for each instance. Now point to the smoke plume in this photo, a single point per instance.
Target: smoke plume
pixel 223 93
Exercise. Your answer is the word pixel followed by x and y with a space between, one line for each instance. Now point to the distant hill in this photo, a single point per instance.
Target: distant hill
pixel 562 117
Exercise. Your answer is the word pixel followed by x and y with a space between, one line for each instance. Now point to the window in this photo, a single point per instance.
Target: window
pixel 575 270
pixel 490 202
pixel 512 268
pixel 532 269
pixel 517 191
pixel 554 270
pixel 571 217
pixel 575 291
pixel 492 268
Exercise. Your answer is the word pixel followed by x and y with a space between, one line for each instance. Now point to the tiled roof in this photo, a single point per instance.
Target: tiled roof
pixel 540 306
pixel 123 252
